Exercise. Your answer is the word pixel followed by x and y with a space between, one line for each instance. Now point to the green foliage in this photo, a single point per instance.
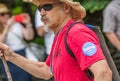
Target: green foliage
pixel 17 10
pixel 93 5
pixel 33 9
pixel 39 40
pixel 18 2
pixel 18 6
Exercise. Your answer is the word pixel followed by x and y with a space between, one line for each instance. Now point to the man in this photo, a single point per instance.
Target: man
pixel 58 15
pixel 111 28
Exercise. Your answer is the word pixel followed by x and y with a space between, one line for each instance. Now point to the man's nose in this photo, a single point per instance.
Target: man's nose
pixel 43 12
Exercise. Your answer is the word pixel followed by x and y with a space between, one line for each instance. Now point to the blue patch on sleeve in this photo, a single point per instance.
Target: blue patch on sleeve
pixel 89 49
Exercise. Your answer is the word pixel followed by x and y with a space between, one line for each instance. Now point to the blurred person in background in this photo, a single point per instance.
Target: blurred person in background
pixel 13 33
pixel 42 30
pixel 48 34
pixel 111 28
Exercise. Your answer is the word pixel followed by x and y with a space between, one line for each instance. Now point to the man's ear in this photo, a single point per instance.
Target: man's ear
pixel 67 8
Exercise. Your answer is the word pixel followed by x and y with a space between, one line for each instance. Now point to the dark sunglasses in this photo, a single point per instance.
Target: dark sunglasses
pixel 2 14
pixel 47 7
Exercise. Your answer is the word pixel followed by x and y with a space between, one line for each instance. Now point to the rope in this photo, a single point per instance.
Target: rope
pixel 6 68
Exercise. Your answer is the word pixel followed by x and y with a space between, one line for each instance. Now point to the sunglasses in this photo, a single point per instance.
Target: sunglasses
pixel 2 14
pixel 47 7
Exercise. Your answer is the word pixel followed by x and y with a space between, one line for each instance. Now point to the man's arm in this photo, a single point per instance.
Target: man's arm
pixel 113 39
pixel 101 71
pixel 37 69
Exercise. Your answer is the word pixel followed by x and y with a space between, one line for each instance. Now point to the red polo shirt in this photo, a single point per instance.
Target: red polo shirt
pixel 84 44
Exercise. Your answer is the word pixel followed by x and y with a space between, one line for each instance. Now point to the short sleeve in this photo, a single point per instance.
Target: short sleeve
pixel 38 21
pixel 86 47
pixel 109 21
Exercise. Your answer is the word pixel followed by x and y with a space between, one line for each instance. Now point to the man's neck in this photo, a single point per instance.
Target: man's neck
pixel 61 25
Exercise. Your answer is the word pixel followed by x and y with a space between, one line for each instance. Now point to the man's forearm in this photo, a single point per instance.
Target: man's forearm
pixel 37 69
pixel 103 77
pixel 101 73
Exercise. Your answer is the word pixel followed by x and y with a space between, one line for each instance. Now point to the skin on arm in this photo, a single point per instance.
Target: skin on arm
pixel 113 39
pixel 40 31
pixel 37 69
pixel 3 35
pixel 101 71
pixel 28 31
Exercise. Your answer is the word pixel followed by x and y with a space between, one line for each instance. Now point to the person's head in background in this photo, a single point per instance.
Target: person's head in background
pixel 4 16
pixel 4 13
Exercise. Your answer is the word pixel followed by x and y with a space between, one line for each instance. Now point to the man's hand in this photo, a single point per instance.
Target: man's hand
pixel 6 51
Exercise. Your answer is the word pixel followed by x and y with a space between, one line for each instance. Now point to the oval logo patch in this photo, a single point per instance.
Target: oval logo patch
pixel 89 49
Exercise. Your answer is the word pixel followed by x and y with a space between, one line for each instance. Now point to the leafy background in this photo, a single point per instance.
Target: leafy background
pixel 94 10
pixel 93 7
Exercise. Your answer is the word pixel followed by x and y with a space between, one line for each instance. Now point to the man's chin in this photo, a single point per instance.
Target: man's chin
pixel 46 28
